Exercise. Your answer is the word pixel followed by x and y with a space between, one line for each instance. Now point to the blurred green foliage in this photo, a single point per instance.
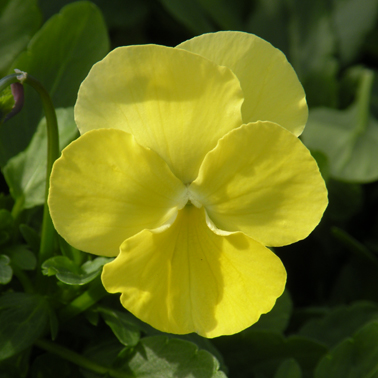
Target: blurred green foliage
pixel 326 323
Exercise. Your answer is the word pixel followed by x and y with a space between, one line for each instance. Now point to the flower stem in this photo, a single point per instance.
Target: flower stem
pixel 363 100
pixel 17 207
pixel 79 360
pixel 53 152
pixel 23 278
pixel 90 297
pixel 8 80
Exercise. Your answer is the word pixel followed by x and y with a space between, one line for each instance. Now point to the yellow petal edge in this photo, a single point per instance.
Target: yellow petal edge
pixel 106 187
pixel 261 180
pixel 174 102
pixel 270 85
pixel 188 279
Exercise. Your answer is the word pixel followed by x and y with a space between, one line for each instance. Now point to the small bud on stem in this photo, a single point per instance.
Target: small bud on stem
pixel 18 95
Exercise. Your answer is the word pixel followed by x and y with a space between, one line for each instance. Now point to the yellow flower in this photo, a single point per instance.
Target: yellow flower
pixel 188 166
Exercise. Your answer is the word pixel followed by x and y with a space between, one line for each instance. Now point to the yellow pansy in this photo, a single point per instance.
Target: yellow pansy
pixel 187 168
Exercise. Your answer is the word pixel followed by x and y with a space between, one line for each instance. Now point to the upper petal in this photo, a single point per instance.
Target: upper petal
pixel 271 88
pixel 106 187
pixel 261 180
pixel 188 279
pixel 175 102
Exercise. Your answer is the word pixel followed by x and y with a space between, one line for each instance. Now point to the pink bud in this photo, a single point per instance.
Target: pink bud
pixel 18 95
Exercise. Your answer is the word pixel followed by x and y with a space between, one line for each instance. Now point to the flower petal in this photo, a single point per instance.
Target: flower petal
pixel 261 180
pixel 174 102
pixel 105 188
pixel 271 88
pixel 188 279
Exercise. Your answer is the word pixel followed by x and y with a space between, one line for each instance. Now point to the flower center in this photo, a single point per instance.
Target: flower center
pixel 192 198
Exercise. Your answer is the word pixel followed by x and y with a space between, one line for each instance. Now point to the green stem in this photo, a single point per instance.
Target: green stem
pixel 17 207
pixel 24 279
pixel 8 80
pixel 354 246
pixel 53 152
pixel 79 360
pixel 16 212
pixel 90 297
pixel 363 101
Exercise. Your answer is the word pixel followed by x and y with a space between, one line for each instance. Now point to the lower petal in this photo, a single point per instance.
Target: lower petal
pixel 188 279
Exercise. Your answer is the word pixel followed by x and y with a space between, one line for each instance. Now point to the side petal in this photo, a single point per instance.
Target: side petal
pixel 174 102
pixel 271 88
pixel 188 279
pixel 261 180
pixel 106 187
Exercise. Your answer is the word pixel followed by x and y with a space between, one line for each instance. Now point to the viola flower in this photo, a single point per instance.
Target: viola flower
pixel 187 169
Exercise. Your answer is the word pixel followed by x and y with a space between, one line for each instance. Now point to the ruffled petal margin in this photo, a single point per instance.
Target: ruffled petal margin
pixel 174 102
pixel 271 88
pixel 106 187
pixel 261 180
pixel 188 279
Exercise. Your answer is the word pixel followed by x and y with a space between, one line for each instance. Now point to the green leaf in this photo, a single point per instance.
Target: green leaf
pixel 345 200
pixel 53 323
pixel 104 351
pixel 201 342
pixel 19 20
pixel 353 20
pixel 322 161
pixel 60 56
pixel 356 357
pixel 357 248
pixel 31 237
pixel 289 369
pixel 16 366
pixel 92 316
pixel 21 256
pixel 261 351
pixel 6 201
pixel 6 220
pixel 340 323
pixel 348 137
pixel 126 332
pixel 313 48
pixel 49 365
pixel 269 21
pixel 153 357
pixel 225 14
pixel 190 14
pixel 122 14
pixel 278 318
pixel 6 223
pixel 25 173
pixel 72 253
pixel 358 279
pixel 61 266
pixel 23 319
pixel 6 271
pixel 4 237
pixel 158 356
pixel 71 274
pixel 352 157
